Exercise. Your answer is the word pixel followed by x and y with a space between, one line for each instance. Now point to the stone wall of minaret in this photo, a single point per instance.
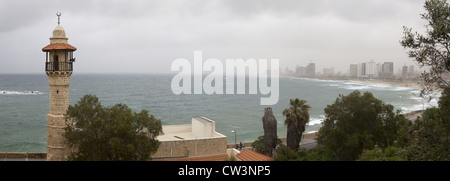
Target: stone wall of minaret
pixel 59 102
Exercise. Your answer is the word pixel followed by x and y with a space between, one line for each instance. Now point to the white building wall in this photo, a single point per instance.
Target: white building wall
pixel 202 127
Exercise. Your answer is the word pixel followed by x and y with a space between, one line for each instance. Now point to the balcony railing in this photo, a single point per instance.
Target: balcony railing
pixel 58 66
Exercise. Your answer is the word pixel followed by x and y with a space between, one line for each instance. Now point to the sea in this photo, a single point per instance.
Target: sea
pixel 24 103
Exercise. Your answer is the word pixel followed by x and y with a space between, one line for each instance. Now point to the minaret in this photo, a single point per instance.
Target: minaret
pixel 58 66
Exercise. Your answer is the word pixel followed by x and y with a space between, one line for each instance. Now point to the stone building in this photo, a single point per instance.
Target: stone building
pixel 58 67
pixel 191 140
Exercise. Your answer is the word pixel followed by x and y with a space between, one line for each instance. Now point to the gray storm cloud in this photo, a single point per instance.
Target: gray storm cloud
pixel 146 36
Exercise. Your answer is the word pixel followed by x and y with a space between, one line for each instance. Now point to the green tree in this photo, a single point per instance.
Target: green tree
pixel 110 133
pixel 260 146
pixel 318 153
pixel 356 122
pixel 297 116
pixel 388 154
pixel 433 48
pixel 430 135
pixel 286 154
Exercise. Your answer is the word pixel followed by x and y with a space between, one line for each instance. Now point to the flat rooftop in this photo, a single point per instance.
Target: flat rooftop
pixel 181 132
pixel 204 120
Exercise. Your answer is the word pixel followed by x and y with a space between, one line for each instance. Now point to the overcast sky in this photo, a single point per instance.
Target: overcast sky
pixel 125 36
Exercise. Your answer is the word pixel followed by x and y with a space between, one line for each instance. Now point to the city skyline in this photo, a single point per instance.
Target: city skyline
pixel 381 67
pixel 146 36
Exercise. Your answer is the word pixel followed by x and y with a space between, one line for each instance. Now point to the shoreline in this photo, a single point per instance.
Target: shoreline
pixel 409 84
pixel 397 83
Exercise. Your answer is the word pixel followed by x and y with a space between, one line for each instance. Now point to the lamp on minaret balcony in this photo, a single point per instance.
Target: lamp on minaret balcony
pixel 59 53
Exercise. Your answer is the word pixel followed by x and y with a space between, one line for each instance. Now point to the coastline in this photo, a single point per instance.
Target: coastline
pixel 410 84
pixel 397 83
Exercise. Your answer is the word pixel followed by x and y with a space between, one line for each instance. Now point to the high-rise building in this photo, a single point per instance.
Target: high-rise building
pixel 388 67
pixel 371 69
pixel 353 70
pixel 411 70
pixel 387 70
pixel 405 71
pixel 363 70
pixel 311 70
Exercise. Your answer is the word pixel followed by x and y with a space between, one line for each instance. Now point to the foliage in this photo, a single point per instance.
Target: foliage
pixel 319 153
pixel 430 135
pixel 286 154
pixel 297 116
pixel 356 122
pixel 259 146
pixel 433 48
pixel 388 154
pixel 110 133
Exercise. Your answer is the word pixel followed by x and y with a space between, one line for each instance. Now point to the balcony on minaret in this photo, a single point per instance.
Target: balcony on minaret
pixel 59 53
pixel 59 57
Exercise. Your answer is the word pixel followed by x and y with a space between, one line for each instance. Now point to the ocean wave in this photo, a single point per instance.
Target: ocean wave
pixel 357 87
pixel 315 121
pixel 323 80
pixel 353 83
pixel 416 98
pixel 401 88
pixel 5 92
pixel 415 108
pixel 420 106
pixel 381 85
pixel 329 85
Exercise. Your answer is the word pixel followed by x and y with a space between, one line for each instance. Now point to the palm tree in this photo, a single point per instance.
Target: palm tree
pixel 296 118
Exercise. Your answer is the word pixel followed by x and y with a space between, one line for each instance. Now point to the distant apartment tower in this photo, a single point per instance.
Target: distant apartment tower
pixel 361 70
pixel 311 70
pixel 379 67
pixel 388 67
pixel 368 70
pixel 411 70
pixel 404 71
pixel 371 69
pixel 387 70
pixel 353 70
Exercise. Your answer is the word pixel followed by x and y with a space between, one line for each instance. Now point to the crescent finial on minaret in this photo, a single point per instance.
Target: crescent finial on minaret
pixel 58 14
